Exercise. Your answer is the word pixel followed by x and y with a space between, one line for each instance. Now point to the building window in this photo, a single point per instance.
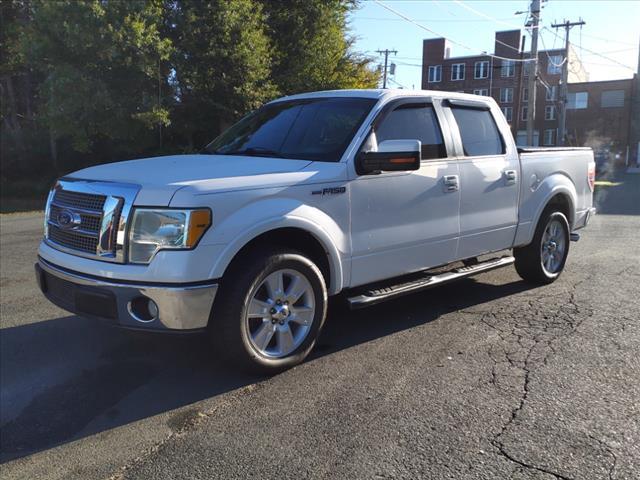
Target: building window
pixel 457 71
pixel 550 112
pixel 612 99
pixel 554 65
pixel 508 113
pixel 549 137
pixel 506 95
pixel 524 113
pixel 577 100
pixel 435 73
pixel 552 93
pixel 481 70
pixel 525 94
pixel 481 91
pixel 508 68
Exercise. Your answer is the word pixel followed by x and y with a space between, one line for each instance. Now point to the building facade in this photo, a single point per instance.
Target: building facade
pixel 603 115
pixel 599 116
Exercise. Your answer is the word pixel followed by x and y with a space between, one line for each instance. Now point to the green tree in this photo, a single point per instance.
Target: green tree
pixel 88 81
pixel 313 50
pixel 222 64
pixel 102 68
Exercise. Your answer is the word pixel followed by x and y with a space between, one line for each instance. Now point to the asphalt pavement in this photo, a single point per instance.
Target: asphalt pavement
pixel 487 378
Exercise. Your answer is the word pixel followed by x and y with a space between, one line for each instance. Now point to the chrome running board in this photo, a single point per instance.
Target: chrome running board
pixel 371 297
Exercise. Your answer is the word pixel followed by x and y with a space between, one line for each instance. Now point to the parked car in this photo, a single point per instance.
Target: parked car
pixel 361 192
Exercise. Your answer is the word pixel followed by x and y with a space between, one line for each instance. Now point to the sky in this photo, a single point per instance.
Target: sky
pixel 612 30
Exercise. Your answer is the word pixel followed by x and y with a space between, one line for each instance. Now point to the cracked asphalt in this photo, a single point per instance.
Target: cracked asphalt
pixel 487 378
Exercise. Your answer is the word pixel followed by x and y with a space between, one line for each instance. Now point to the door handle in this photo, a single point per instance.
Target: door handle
pixel 451 183
pixel 510 176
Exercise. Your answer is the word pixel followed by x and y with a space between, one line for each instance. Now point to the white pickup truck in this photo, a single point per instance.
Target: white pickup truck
pixel 372 193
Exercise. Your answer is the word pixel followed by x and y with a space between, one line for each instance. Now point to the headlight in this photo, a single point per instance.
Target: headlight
pixel 159 229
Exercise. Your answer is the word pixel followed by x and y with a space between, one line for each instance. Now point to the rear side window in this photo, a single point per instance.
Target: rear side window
pixel 479 132
pixel 414 122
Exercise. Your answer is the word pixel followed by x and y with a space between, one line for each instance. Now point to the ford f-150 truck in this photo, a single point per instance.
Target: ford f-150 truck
pixel 370 193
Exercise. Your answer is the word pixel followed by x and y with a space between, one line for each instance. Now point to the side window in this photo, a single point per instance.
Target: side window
pixel 479 132
pixel 414 122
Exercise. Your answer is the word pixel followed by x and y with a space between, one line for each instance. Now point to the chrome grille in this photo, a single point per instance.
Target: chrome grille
pixel 73 240
pixel 89 222
pixel 85 201
pixel 89 218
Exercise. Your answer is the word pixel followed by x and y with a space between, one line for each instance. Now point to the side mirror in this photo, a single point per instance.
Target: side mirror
pixel 391 156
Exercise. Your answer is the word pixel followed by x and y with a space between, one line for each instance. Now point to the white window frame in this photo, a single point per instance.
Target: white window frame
pixel 551 132
pixel 508 116
pixel 550 112
pixel 551 94
pixel 481 91
pixel 437 74
pixel 524 113
pixel 484 69
pixel 506 95
pixel 575 105
pixel 458 68
pixel 552 61
pixel 508 68
pixel 525 94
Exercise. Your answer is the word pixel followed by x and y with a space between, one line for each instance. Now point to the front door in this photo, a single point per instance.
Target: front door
pixel 402 222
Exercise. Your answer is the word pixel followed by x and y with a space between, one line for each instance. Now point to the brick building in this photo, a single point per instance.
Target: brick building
pixel 599 116
pixel 598 113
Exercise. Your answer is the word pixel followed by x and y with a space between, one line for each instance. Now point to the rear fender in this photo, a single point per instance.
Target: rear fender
pixel 536 200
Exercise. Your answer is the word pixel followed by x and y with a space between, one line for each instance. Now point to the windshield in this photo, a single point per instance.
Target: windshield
pixel 310 129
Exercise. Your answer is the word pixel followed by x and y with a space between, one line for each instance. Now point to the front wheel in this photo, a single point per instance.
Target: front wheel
pixel 543 260
pixel 269 311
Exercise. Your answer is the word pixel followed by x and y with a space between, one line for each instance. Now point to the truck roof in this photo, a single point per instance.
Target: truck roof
pixel 378 93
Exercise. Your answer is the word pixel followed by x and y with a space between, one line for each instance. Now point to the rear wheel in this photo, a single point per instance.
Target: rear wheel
pixel 543 260
pixel 269 311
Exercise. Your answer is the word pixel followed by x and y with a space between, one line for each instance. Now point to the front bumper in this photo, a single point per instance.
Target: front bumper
pixel 179 307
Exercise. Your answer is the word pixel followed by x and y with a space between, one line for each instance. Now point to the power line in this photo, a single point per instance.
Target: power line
pixel 488 17
pixel 592 52
pixel 435 20
pixel 609 40
pixel 481 14
pixel 448 38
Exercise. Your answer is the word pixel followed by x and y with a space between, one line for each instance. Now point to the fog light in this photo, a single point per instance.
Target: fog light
pixel 143 309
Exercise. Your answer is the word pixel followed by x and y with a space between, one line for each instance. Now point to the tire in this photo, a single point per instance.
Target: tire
pixel 532 261
pixel 257 324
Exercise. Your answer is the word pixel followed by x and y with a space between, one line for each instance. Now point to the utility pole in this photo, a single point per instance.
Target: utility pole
pixel 534 9
pixel 562 124
pixel 386 53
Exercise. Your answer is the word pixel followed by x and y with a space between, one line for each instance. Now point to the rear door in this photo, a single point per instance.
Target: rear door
pixel 402 222
pixel 489 184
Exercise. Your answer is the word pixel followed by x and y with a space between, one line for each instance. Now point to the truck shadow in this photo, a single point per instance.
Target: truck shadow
pixel 69 378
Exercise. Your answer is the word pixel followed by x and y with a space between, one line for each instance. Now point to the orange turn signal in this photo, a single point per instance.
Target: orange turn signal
pixel 199 221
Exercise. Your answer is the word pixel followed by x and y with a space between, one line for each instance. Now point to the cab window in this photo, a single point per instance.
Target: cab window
pixel 414 122
pixel 478 131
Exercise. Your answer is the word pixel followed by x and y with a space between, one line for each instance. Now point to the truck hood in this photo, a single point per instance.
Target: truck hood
pixel 161 177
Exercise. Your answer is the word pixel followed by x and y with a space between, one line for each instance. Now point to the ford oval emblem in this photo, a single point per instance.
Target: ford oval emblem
pixel 68 219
